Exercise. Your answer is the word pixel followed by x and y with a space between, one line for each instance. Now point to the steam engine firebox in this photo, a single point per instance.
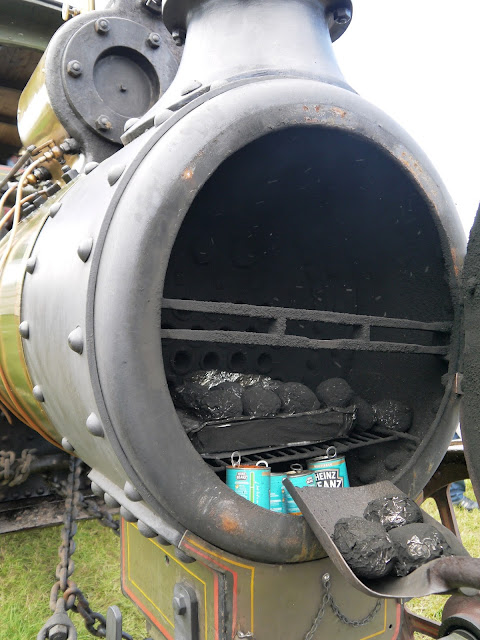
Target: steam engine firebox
pixel 261 222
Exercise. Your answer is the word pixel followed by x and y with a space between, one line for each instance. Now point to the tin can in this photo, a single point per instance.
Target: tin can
pixel 252 482
pixel 277 493
pixel 299 478
pixel 330 470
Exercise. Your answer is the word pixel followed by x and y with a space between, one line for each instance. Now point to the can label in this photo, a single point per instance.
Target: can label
pixel 250 482
pixel 330 472
pixel 277 493
pixel 298 479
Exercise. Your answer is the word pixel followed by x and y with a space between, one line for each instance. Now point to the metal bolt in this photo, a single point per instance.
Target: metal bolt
pixel 342 15
pixel 179 605
pixel 103 123
pixel 74 68
pixel 58 632
pixel 153 40
pixel 179 36
pixel 102 26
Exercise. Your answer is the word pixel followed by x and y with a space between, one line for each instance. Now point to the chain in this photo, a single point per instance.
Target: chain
pixel 15 470
pixel 327 599
pixel 91 506
pixel 73 598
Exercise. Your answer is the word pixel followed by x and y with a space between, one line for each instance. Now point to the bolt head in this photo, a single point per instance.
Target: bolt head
pixel 153 40
pixel 74 68
pixel 103 123
pixel 342 15
pixel 58 632
pixel 178 36
pixel 102 26
pixel 179 605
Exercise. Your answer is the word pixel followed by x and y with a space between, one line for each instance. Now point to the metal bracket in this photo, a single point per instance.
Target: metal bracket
pixel 185 607
pixel 114 624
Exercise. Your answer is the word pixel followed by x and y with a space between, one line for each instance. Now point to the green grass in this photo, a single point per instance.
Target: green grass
pixel 27 572
pixel 469 526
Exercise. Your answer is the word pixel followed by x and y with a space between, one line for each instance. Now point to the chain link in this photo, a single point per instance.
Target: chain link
pixel 327 599
pixel 91 506
pixel 73 599
pixel 15 470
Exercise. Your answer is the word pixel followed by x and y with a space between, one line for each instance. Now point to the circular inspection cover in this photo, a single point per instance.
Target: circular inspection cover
pixel 118 74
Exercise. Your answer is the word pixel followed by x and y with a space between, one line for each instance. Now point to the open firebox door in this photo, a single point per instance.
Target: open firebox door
pixel 266 275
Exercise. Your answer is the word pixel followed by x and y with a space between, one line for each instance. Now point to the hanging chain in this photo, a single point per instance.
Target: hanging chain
pixel 327 599
pixel 15 469
pixel 59 626
pixel 91 506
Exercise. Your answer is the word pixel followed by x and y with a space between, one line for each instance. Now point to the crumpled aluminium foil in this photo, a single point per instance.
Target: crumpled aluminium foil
pixel 393 511
pixel 417 544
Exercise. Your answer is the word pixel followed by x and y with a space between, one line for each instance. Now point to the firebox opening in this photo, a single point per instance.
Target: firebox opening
pixel 311 254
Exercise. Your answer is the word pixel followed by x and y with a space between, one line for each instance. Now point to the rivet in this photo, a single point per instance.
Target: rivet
pixel 161 117
pixel 115 173
pixel 182 556
pixel 90 166
pixel 75 340
pixel 30 265
pixel 131 493
pixel 195 84
pixel 74 68
pixel 145 530
pixel 38 393
pixel 66 445
pixel 97 490
pixel 85 248
pixel 24 329
pixel 129 123
pixel 127 515
pixel 94 426
pixel 110 501
pixel 54 209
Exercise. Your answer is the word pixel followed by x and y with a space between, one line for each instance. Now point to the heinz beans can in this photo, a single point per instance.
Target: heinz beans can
pixel 252 482
pixel 330 471
pixel 277 493
pixel 299 478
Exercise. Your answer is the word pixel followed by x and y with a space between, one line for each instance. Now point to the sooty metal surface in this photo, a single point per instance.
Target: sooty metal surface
pixel 322 508
pixel 283 328
pixel 321 263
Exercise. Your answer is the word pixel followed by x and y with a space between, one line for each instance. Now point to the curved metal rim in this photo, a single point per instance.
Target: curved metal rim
pixel 277 539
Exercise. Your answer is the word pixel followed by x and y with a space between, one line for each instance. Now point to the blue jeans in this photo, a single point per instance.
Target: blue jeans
pixel 457 489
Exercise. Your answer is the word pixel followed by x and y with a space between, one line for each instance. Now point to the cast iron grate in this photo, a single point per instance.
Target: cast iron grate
pixel 273 455
pixel 283 327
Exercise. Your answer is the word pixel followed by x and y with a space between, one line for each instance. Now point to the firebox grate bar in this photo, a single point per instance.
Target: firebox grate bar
pixel 299 342
pixel 219 461
pixel 313 315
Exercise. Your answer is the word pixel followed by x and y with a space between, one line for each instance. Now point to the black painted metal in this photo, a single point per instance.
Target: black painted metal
pixel 471 364
pixel 283 195
pixel 121 74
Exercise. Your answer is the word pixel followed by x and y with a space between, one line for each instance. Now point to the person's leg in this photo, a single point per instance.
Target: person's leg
pixel 457 489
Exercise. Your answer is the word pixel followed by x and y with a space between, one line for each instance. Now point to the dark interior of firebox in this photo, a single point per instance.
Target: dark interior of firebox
pixel 310 254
